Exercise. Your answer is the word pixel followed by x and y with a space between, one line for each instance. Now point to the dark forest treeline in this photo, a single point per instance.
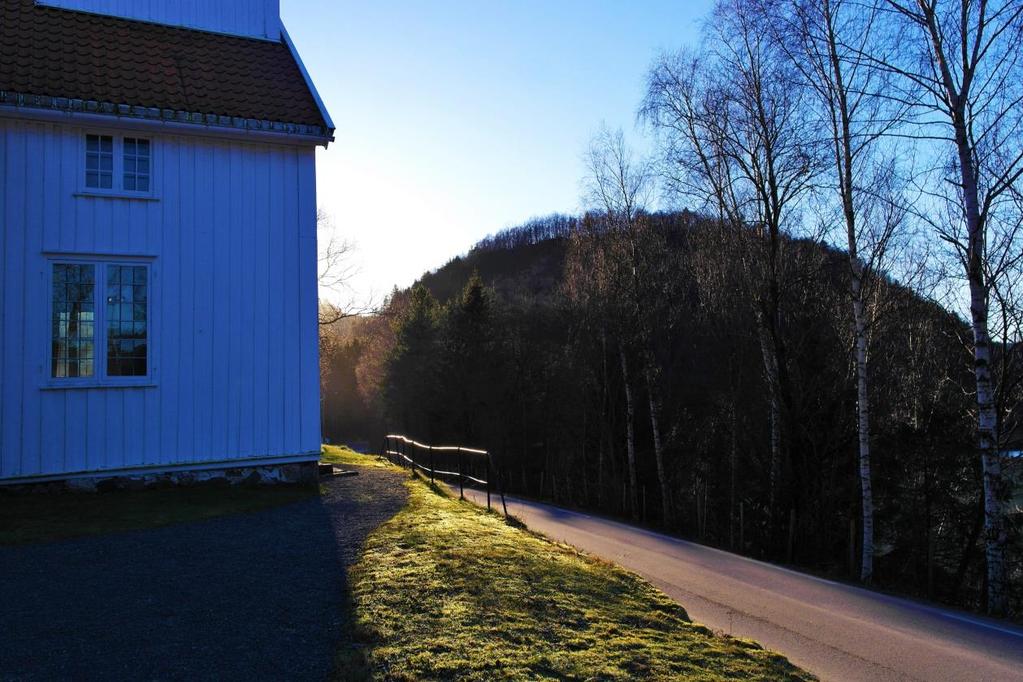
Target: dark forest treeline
pixel 501 349
pixel 752 374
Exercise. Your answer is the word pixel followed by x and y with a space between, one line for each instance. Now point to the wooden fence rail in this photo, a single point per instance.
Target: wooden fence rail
pixel 467 463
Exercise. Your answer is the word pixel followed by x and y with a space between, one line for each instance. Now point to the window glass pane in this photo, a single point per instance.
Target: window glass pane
pixel 99 161
pixel 73 324
pixel 136 164
pixel 127 332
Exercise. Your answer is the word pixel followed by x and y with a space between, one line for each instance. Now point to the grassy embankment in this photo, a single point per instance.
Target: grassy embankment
pixel 445 590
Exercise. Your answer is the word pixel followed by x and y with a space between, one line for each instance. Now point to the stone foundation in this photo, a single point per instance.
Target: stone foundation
pixel 271 474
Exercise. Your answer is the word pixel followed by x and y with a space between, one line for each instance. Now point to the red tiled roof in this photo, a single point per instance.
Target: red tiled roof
pixel 60 53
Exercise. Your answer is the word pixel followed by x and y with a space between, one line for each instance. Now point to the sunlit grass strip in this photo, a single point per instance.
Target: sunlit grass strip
pixel 447 591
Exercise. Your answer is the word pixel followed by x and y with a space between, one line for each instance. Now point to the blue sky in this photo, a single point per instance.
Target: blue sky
pixel 456 119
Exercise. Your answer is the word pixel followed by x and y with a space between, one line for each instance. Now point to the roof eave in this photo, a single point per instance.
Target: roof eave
pixel 64 108
pixel 308 81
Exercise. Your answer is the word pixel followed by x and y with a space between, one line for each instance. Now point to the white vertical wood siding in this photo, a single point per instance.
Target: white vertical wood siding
pixel 253 18
pixel 233 331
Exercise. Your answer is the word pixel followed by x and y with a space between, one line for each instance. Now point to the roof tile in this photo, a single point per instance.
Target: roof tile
pixel 62 53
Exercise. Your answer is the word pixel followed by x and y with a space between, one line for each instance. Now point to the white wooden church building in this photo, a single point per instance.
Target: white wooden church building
pixel 158 303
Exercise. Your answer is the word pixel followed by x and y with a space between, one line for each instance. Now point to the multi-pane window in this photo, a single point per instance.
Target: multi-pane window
pixel 118 164
pixel 99 161
pixel 136 164
pixel 126 320
pixel 74 320
pixel 82 324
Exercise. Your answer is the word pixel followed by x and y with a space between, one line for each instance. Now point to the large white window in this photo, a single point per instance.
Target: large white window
pixel 74 320
pixel 100 322
pixel 117 164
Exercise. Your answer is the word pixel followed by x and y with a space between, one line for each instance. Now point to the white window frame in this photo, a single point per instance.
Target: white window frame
pixel 117 189
pixel 99 379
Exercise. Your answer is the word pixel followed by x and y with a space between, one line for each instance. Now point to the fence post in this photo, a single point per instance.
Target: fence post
pixel 490 473
pixel 500 489
pixel 461 475
pixel 432 467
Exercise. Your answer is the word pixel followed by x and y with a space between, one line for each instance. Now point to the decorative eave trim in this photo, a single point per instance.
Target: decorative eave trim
pixel 74 107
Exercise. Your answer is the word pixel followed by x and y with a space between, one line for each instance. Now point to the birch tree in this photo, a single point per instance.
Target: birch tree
pixel 854 120
pixel 735 138
pixel 619 183
pixel 959 71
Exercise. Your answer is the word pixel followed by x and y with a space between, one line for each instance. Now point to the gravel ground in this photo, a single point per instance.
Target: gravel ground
pixel 247 597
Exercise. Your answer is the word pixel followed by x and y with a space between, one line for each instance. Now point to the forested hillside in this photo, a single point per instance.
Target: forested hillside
pixel 820 364
pixel 501 348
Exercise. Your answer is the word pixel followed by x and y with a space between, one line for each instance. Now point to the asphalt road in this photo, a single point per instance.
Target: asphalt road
pixel 837 631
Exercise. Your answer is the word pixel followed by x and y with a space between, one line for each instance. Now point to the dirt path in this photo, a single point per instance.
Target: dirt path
pixel 252 596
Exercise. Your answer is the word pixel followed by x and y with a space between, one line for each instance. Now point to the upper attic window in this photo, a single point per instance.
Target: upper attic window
pixel 136 164
pixel 118 165
pixel 99 161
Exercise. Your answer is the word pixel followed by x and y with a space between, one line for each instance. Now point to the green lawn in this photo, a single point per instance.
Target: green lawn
pixel 341 455
pixel 446 591
pixel 44 517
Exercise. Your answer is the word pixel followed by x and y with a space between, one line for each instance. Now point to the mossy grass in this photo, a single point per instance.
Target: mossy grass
pixel 44 517
pixel 446 591
pixel 342 455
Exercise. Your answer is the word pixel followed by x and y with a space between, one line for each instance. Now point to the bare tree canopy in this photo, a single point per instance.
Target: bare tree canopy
pixel 336 270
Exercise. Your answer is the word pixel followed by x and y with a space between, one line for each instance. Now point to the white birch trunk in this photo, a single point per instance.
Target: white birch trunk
pixel 959 108
pixel 630 437
pixel 843 143
pixel 774 411
pixel 863 426
pixel 995 536
pixel 658 446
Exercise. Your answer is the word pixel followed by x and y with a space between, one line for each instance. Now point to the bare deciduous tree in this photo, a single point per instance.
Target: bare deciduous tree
pixel 619 184
pixel 736 138
pixel 335 270
pixel 958 69
pixel 854 120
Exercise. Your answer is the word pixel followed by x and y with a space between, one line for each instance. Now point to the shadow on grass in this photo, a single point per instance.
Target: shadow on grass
pixel 46 517
pixel 260 595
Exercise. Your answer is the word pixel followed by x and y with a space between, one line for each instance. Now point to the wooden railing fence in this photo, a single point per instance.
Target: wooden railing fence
pixel 447 461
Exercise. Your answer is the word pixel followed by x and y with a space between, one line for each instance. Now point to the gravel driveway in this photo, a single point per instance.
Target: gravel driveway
pixel 253 596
